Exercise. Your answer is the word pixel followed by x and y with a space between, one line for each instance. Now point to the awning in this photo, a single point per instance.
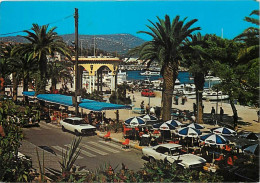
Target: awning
pixel 101 106
pixel 85 103
pixel 56 98
pixel 29 93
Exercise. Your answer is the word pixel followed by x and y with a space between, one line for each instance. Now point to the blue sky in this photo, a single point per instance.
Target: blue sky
pixel 110 17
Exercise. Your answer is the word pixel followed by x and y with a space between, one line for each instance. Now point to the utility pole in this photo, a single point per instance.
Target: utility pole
pixel 76 62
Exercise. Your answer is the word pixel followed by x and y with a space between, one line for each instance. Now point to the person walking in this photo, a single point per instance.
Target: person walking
pixel 183 99
pixel 142 107
pixel 147 109
pixel 194 109
pixel 176 100
pixel 258 115
pixel 221 113
pixel 213 112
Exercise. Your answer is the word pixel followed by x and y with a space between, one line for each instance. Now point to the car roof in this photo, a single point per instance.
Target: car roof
pixel 75 118
pixel 169 145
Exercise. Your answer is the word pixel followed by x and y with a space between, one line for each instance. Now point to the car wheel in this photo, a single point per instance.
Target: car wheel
pixel 151 160
pixel 77 133
pixel 63 129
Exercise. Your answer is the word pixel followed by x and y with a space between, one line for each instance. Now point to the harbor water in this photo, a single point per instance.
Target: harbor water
pixel 183 77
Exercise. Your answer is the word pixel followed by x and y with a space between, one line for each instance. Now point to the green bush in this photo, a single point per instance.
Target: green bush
pixel 12 168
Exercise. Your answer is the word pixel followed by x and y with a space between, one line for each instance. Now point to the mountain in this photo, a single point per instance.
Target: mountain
pixel 119 43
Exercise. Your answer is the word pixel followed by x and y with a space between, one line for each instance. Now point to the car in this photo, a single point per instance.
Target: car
pixel 172 153
pixel 147 93
pixel 78 126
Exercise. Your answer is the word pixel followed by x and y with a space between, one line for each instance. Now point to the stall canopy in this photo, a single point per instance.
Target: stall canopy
pixel 29 93
pixel 101 106
pixel 56 98
pixel 85 103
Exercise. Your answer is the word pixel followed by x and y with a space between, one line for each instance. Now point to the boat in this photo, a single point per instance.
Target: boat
pixel 185 89
pixel 209 94
pixel 150 73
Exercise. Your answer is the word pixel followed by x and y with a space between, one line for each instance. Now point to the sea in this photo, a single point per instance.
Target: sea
pixel 183 77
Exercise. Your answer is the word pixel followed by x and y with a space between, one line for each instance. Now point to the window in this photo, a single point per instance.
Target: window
pixel 162 150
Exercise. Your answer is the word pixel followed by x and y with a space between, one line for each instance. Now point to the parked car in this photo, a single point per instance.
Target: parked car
pixel 77 126
pixel 172 153
pixel 147 93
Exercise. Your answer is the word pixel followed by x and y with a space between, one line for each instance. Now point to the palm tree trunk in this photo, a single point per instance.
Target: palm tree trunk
pixel 168 86
pixel 2 85
pixel 235 115
pixel 15 86
pixel 25 87
pixel 199 81
pixel 41 79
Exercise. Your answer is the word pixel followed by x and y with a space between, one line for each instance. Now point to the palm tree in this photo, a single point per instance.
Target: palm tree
pixel 59 71
pixel 5 67
pixel 198 62
pixel 43 42
pixel 25 66
pixel 167 48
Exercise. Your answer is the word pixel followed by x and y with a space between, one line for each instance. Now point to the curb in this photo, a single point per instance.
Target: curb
pixel 120 141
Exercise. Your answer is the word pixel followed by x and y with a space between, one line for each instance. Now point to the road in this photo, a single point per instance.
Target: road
pixel 95 152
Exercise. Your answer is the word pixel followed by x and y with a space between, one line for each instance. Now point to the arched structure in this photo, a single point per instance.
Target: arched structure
pixel 94 65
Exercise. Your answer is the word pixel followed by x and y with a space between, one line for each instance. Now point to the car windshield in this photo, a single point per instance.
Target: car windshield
pixel 175 151
pixel 79 122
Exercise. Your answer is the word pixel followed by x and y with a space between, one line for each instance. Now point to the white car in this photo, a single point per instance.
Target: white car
pixel 172 153
pixel 77 125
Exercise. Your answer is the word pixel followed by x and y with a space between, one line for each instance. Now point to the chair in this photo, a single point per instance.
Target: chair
pixel 220 158
pixel 125 144
pixel 228 148
pixel 107 136
pixel 230 161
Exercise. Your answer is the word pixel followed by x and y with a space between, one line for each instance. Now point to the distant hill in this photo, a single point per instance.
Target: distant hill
pixel 119 43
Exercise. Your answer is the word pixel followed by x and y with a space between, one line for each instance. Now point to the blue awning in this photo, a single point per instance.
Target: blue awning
pixel 85 103
pixel 101 106
pixel 56 98
pixel 29 93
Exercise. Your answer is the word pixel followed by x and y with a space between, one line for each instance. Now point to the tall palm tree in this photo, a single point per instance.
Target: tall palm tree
pixel 5 67
pixel 25 66
pixel 166 47
pixel 43 42
pixel 198 61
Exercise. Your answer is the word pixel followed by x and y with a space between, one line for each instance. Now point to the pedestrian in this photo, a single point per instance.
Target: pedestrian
pixel 213 112
pixel 176 100
pixel 221 114
pixel 194 109
pixel 183 99
pixel 147 108
pixel 142 107
pixel 258 115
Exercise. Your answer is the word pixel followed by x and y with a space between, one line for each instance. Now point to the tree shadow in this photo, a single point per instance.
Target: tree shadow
pixel 228 121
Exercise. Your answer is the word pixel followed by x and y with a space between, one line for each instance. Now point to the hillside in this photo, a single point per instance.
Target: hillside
pixel 119 43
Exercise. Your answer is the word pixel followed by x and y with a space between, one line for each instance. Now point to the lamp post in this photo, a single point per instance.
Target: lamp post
pixel 76 62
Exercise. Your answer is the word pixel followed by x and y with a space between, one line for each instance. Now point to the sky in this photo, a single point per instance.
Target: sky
pixel 113 17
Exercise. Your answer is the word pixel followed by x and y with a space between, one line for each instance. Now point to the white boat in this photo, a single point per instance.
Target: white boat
pixel 185 89
pixel 212 78
pixel 213 95
pixel 150 73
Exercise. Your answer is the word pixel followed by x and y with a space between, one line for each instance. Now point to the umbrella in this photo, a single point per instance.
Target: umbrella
pixel 148 117
pixel 174 123
pixel 224 131
pixel 214 139
pixel 189 132
pixel 135 121
pixel 163 126
pixel 196 126
pixel 252 149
